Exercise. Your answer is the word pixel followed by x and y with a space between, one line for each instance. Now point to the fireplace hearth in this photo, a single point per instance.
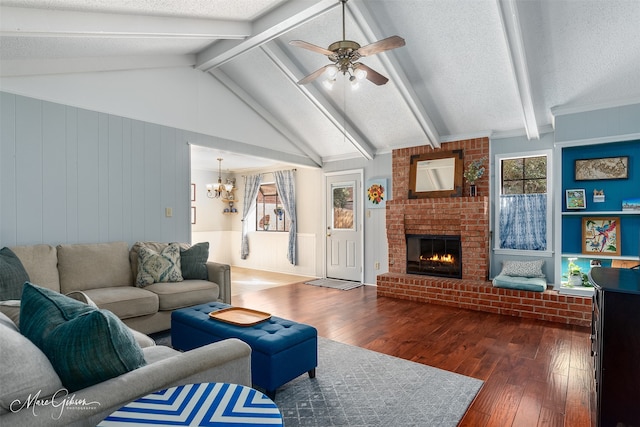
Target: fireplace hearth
pixel 434 255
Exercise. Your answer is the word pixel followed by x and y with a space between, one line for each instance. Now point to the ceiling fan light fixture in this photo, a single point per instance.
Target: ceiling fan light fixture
pixel 328 83
pixel 344 55
pixel 360 74
pixel 332 71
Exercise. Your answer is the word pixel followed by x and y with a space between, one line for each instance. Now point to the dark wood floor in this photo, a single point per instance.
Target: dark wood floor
pixel 536 373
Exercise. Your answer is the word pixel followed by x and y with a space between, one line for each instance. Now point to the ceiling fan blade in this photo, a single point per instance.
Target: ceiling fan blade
pixel 311 47
pixel 311 77
pixel 381 45
pixel 372 75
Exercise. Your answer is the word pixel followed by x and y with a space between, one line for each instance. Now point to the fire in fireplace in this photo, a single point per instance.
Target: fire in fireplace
pixel 434 255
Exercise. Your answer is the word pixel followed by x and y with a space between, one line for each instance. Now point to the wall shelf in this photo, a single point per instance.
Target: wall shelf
pixel 596 256
pixel 596 213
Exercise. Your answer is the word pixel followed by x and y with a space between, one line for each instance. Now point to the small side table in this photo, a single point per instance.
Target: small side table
pixel 206 404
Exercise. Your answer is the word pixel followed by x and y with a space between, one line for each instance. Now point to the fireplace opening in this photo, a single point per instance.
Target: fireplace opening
pixel 434 255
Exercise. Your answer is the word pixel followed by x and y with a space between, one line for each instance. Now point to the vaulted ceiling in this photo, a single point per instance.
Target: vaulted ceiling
pixel 469 67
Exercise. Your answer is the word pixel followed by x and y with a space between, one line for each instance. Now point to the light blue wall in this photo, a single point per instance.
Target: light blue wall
pixel 514 146
pixel 375 221
pixel 71 175
pixel 605 125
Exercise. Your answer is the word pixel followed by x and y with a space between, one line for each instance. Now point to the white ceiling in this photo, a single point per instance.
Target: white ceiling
pixel 469 68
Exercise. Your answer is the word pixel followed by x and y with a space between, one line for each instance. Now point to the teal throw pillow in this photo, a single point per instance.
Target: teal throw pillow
pixel 154 267
pixel 193 261
pixel 85 345
pixel 12 275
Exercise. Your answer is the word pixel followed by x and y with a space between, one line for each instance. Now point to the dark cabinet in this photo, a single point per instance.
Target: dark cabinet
pixel 616 345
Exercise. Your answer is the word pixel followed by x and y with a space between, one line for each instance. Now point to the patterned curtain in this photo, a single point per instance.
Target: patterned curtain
pixel 251 187
pixel 286 186
pixel 523 221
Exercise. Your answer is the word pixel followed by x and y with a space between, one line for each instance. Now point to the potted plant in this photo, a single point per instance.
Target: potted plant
pixel 575 276
pixel 473 173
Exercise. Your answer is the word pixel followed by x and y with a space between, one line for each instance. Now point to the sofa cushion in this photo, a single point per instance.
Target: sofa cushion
pixel 41 264
pixel 11 309
pixel 193 261
pixel 537 284
pixel 12 275
pixel 184 294
pixel 85 345
pixel 92 266
pixel 157 267
pixel 25 369
pixel 125 301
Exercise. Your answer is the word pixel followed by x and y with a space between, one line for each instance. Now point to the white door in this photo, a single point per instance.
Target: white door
pixel 344 231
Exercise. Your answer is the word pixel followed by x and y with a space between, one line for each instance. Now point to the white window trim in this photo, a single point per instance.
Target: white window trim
pixel 498 190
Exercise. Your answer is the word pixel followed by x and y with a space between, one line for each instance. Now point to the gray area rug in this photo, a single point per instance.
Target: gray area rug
pixel 359 387
pixel 344 285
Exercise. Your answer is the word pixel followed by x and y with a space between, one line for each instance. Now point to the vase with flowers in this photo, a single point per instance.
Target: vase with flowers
pixel 474 172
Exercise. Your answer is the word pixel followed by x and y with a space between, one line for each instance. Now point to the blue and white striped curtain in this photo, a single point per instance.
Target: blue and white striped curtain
pixel 251 187
pixel 523 221
pixel 286 186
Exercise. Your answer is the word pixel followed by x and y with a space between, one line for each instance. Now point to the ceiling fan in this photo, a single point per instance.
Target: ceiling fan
pixel 344 55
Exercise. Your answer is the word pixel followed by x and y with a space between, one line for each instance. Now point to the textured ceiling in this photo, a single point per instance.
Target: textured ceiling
pixel 469 67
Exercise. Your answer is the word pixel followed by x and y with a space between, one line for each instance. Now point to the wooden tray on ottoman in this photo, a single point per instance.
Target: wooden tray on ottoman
pixel 240 316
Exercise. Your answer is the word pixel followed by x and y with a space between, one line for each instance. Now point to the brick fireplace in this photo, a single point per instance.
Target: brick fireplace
pixel 467 217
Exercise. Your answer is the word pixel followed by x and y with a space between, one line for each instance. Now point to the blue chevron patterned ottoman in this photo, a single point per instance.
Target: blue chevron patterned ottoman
pixel 281 349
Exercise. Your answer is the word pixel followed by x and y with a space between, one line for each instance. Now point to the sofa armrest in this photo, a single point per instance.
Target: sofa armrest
pixel 221 274
pixel 224 361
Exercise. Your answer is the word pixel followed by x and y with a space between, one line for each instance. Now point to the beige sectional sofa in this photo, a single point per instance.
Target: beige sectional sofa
pixel 28 380
pixel 106 272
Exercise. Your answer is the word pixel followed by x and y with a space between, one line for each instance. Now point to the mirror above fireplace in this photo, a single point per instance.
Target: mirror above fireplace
pixel 437 174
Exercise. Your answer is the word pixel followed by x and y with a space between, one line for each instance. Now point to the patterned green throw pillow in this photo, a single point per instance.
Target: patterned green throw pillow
pixel 154 267
pixel 85 345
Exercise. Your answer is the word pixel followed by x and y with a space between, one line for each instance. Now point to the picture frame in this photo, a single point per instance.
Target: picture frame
pixel 193 214
pixel 631 205
pixel 601 168
pixel 193 192
pixel 376 194
pixel 576 198
pixel 601 236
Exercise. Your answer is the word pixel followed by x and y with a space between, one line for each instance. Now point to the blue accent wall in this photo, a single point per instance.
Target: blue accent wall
pixel 615 191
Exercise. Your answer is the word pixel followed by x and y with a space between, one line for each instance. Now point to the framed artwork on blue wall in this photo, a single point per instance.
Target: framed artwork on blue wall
pixel 601 235
pixel 602 168
pixel 576 199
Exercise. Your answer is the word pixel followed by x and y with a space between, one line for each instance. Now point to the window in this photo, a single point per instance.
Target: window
pixel 524 175
pixel 270 213
pixel 523 214
pixel 343 207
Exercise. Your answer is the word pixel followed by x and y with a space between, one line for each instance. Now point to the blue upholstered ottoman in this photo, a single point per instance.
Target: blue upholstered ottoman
pixel 281 349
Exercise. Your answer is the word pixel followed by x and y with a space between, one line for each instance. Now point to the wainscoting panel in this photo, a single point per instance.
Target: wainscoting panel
pixel 268 251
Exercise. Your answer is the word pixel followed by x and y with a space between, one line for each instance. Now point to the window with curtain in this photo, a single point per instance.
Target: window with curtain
pixel 523 212
pixel 271 214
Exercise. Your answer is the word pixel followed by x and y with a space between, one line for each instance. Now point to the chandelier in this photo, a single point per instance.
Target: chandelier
pixel 215 191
